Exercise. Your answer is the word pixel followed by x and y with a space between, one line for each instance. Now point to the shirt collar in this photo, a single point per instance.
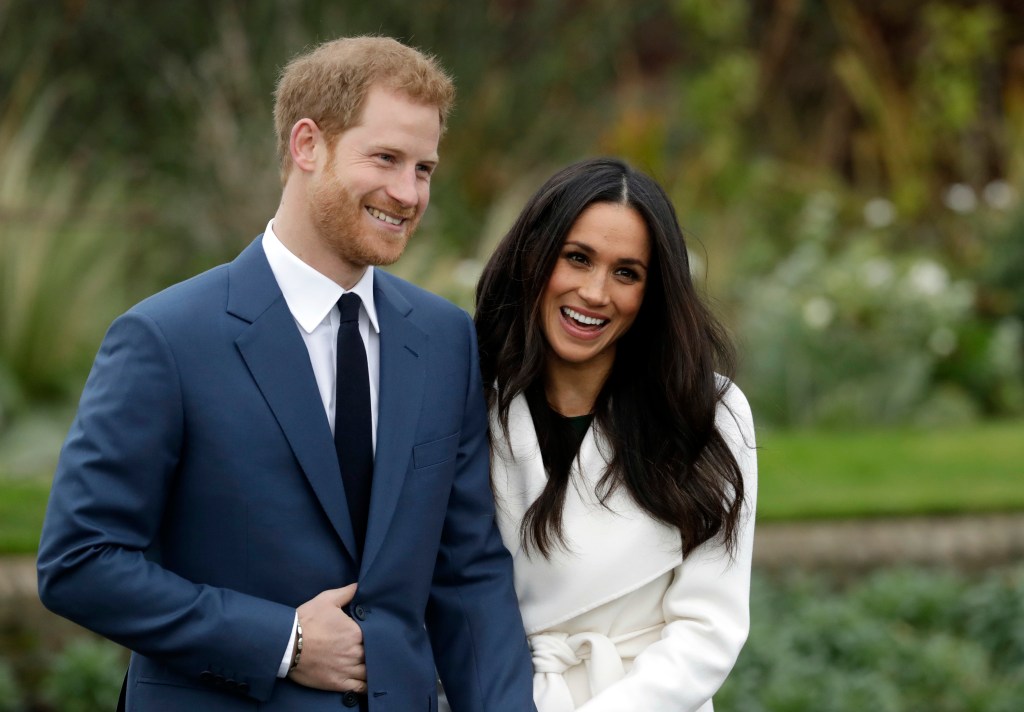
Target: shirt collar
pixel 309 294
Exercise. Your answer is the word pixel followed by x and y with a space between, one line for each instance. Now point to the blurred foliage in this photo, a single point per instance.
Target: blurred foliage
pixel 845 329
pixel 10 694
pixel 136 148
pixel 901 639
pixel 894 640
pixel 62 277
pixel 86 676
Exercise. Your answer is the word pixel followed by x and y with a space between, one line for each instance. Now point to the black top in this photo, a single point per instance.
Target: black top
pixel 579 423
pixel 559 436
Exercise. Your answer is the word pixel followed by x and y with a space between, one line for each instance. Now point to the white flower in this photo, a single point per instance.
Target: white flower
pixel 999 195
pixel 928 278
pixel 879 213
pixel 877 272
pixel 960 198
pixel 818 312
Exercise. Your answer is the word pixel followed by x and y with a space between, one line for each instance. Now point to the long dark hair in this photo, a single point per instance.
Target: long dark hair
pixel 657 407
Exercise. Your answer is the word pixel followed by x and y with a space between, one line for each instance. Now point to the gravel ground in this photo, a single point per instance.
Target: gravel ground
pixel 968 542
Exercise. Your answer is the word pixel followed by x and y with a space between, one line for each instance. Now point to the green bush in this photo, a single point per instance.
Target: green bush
pixel 86 677
pixel 898 640
pixel 993 614
pixel 845 330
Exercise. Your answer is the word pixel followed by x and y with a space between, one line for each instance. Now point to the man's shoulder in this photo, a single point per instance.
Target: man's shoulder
pixel 197 292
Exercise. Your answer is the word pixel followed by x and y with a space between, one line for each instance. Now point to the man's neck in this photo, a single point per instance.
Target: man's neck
pixel 294 228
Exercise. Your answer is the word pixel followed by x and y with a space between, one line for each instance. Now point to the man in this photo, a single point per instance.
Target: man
pixel 203 515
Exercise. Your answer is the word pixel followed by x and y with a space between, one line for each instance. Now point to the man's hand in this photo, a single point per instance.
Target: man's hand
pixel 332 644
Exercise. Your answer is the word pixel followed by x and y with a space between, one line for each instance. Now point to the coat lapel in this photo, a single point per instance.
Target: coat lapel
pixel 402 371
pixel 279 362
pixel 600 537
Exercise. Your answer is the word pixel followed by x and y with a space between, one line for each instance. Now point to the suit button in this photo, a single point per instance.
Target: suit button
pixel 230 683
pixel 243 687
pixel 206 676
pixel 360 613
pixel 218 680
pixel 350 699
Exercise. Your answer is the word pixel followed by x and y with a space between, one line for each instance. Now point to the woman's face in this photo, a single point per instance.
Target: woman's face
pixel 597 286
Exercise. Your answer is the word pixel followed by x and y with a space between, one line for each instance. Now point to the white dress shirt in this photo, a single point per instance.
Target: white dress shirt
pixel 312 299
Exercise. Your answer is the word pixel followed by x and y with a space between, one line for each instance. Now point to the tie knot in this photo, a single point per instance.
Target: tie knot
pixel 348 305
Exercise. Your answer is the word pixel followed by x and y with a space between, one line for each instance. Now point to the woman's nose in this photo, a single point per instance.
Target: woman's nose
pixel 594 289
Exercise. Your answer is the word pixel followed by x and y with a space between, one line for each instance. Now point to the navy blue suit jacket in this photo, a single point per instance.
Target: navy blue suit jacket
pixel 198 502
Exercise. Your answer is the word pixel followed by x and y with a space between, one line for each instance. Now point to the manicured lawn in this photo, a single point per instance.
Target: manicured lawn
pixel 821 474
pixel 802 475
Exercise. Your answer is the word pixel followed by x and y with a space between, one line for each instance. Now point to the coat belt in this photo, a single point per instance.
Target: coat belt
pixel 554 653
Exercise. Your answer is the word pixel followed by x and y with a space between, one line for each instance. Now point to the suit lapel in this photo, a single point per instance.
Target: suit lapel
pixel 402 371
pixel 279 362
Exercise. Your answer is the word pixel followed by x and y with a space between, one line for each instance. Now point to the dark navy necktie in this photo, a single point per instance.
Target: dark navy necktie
pixel 353 438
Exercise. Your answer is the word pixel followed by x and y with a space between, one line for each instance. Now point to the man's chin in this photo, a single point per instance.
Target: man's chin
pixel 390 248
pixel 386 260
pixel 388 255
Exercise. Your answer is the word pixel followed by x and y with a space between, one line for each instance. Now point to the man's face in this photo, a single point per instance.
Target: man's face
pixel 369 193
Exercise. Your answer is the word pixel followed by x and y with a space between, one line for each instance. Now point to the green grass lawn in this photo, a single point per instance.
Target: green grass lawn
pixel 802 475
pixel 886 472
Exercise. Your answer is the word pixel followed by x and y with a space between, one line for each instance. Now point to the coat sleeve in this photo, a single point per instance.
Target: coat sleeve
pixel 473 616
pixel 98 561
pixel 706 605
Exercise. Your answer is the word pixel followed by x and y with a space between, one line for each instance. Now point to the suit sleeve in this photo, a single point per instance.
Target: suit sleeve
pixel 97 560
pixel 473 615
pixel 706 606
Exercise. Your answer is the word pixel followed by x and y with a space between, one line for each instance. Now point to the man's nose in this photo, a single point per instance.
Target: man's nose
pixel 403 188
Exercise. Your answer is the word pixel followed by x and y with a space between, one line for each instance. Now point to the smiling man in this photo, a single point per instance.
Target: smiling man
pixel 276 490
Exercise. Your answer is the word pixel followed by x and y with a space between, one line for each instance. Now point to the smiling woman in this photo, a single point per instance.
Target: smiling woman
pixel 593 296
pixel 622 456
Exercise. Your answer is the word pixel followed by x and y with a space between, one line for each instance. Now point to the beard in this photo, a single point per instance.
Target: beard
pixel 340 220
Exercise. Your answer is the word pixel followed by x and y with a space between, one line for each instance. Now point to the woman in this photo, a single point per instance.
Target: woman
pixel 623 462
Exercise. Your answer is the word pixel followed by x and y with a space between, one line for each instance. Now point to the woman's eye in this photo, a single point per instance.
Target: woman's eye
pixel 576 257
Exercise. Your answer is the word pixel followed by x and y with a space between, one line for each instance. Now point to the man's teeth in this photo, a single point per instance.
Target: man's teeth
pixel 386 218
pixel 588 320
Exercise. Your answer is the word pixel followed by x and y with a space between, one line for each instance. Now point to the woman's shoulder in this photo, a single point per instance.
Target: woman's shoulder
pixel 734 414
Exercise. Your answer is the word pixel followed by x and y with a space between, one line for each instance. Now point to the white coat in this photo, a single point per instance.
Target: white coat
pixel 619 621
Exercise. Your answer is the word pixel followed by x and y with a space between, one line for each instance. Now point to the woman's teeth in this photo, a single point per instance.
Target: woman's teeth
pixel 586 320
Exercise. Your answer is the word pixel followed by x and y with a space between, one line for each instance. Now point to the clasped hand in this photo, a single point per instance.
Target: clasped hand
pixel 332 646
